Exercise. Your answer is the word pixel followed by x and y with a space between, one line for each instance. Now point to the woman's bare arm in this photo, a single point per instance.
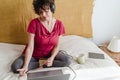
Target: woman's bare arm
pixel 28 54
pixel 29 50
pixel 54 53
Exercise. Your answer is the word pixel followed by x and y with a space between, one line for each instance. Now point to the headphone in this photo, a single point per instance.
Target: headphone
pixel 52 7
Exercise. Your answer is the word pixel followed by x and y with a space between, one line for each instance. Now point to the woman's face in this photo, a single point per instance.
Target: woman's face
pixel 45 14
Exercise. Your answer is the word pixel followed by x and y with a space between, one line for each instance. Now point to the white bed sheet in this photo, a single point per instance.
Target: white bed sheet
pixel 93 69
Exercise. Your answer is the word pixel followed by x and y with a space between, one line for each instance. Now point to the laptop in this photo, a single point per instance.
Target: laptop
pixel 48 75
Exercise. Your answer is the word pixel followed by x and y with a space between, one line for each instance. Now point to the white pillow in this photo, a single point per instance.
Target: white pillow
pixel 75 45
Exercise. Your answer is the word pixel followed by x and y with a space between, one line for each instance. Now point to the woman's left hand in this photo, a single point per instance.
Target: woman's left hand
pixel 49 61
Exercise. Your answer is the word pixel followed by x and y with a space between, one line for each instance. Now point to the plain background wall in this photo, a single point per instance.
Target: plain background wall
pixel 105 20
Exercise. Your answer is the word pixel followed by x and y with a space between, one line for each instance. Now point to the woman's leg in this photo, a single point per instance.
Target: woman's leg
pixel 18 64
pixel 61 59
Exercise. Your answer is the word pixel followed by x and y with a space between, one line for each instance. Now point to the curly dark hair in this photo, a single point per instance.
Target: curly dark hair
pixel 40 4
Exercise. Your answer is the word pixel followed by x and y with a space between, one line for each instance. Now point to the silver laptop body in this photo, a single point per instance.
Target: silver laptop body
pixel 48 75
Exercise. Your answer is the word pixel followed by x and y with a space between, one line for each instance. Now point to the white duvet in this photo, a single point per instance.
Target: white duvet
pixel 92 69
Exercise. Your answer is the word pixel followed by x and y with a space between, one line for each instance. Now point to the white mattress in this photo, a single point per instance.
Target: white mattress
pixel 93 69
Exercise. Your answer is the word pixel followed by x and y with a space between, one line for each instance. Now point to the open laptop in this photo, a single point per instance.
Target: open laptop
pixel 48 75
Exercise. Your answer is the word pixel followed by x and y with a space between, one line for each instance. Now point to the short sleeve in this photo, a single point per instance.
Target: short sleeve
pixel 32 27
pixel 62 29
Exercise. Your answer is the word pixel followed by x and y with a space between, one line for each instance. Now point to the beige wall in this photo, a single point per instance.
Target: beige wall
pixel 76 15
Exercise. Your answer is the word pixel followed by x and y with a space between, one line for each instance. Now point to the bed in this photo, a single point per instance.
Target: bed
pixel 13 38
pixel 92 69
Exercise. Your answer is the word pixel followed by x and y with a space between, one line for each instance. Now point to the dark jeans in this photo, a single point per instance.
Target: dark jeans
pixel 60 60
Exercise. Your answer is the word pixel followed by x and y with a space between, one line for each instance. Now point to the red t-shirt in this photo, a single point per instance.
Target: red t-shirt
pixel 44 40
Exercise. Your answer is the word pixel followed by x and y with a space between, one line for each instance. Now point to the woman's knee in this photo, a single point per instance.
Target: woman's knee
pixel 17 64
pixel 64 57
pixel 67 61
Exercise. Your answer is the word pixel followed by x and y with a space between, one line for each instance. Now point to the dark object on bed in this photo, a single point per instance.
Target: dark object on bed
pixel 48 75
pixel 96 55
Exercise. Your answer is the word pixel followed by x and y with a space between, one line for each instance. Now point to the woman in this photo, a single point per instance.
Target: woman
pixel 44 33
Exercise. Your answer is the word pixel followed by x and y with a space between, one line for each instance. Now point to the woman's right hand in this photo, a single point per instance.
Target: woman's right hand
pixel 22 71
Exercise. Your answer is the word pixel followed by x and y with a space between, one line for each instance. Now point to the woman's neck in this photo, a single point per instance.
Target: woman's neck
pixel 49 24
